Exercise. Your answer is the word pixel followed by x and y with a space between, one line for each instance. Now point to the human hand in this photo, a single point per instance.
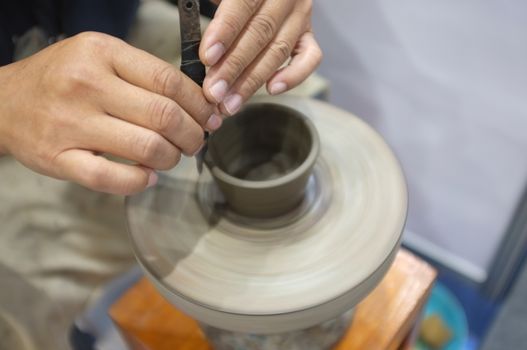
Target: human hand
pixel 93 94
pixel 248 41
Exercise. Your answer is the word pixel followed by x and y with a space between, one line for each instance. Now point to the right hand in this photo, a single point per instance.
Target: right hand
pixel 90 94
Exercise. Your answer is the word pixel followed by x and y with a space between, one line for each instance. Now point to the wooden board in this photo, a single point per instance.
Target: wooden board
pixel 382 321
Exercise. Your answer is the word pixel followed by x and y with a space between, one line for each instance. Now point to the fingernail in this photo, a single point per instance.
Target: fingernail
pixel 233 103
pixel 219 90
pixel 152 179
pixel 214 122
pixel 214 53
pixel 278 88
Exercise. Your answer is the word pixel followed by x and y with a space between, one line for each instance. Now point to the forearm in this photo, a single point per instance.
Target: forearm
pixel 5 81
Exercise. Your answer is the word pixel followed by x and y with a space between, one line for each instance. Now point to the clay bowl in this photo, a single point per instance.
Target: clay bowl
pixel 262 158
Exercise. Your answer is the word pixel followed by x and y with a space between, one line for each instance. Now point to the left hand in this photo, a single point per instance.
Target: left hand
pixel 246 44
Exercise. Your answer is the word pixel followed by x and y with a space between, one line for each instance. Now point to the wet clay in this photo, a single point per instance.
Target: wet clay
pixel 262 157
pixel 280 164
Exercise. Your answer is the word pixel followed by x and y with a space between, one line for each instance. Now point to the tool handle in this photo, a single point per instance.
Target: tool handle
pixel 191 65
pixel 195 70
pixel 189 22
pixel 190 62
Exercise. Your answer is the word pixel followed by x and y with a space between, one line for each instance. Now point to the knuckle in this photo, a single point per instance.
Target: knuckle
pixel 281 50
pixel 79 72
pixel 175 159
pixel 253 82
pixel 305 8
pixel 95 177
pixel 45 153
pixel 150 147
pixel 166 80
pixel 235 65
pixel 131 183
pixel 95 42
pixel 231 19
pixel 171 160
pixel 318 54
pixel 76 78
pixel 203 112
pixel 165 115
pixel 195 142
pixel 309 7
pixel 131 187
pixel 236 61
pixel 250 5
pixel 233 25
pixel 263 28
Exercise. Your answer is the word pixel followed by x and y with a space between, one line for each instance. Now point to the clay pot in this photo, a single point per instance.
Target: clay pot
pixel 262 158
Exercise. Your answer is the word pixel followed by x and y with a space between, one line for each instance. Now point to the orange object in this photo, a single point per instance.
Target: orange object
pixel 382 321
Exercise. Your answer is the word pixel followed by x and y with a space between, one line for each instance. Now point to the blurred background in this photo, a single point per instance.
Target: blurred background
pixel 445 82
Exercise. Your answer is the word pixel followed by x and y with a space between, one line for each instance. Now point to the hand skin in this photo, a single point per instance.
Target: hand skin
pixel 92 94
pixel 248 42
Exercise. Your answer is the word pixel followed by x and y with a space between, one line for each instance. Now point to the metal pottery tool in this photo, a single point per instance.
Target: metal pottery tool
pixel 190 62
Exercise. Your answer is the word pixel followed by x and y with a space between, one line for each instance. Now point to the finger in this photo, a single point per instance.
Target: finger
pixel 258 33
pixel 152 111
pixel 229 20
pixel 306 58
pixel 100 174
pixel 107 134
pixel 153 74
pixel 259 72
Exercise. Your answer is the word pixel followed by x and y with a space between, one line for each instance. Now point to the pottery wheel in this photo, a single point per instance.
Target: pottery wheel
pixel 285 273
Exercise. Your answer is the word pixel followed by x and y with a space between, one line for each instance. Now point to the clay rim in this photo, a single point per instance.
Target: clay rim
pixel 306 165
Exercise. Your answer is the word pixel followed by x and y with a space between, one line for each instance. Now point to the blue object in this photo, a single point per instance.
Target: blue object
pixel 444 304
pixel 94 330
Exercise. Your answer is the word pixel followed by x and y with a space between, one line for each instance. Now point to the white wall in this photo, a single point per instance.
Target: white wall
pixel 445 82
